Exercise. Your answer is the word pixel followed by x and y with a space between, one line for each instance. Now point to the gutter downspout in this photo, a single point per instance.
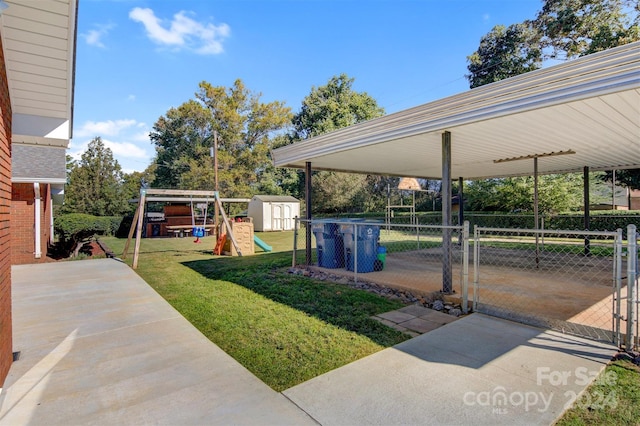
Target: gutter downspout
pixel 51 229
pixel 36 206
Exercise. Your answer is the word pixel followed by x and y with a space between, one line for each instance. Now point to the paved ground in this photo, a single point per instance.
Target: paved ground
pixel 99 346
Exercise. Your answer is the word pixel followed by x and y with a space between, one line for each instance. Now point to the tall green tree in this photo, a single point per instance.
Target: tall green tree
pixel 573 28
pixel 505 52
pixel 245 127
pixel 626 177
pixel 328 108
pixel 562 29
pixel 132 182
pixel 95 183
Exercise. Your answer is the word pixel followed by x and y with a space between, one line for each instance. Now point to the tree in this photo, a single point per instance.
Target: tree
pixel 562 29
pixel 334 106
pixel 556 193
pixel 132 182
pixel 245 128
pixel 328 108
pixel 577 27
pixel 626 177
pixel 505 52
pixel 95 183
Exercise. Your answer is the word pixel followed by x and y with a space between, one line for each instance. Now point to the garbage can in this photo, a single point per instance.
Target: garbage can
pixel 363 238
pixel 329 243
pixel 382 258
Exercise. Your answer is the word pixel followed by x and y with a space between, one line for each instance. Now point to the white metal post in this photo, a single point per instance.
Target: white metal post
pixel 632 282
pixel 476 265
pixel 618 287
pixel 465 267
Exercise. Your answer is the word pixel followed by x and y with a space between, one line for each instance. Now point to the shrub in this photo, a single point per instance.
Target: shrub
pixel 75 229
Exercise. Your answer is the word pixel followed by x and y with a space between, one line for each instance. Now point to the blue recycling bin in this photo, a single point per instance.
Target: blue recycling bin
pixel 329 243
pixel 363 236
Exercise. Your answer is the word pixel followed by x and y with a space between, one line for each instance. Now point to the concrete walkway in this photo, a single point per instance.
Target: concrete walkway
pixel 99 346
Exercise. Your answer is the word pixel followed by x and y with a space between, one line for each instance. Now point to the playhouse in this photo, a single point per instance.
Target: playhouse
pixel 273 212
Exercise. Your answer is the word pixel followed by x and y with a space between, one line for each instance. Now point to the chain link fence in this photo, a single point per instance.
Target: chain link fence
pixel 578 282
pixel 632 293
pixel 407 257
pixel 562 280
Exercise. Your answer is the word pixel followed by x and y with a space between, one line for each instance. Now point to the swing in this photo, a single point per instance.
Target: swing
pixel 197 231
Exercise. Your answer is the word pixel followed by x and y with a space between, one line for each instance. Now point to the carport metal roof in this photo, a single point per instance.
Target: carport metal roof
pixel 588 108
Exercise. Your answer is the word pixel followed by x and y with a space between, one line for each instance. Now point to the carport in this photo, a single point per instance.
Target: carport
pixel 580 116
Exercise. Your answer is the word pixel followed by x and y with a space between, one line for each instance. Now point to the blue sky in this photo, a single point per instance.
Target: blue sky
pixel 136 59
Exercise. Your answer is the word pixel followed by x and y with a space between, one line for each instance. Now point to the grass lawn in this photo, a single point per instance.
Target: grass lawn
pixel 613 399
pixel 284 328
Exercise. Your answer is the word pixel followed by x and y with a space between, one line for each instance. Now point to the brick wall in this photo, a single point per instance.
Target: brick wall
pixel 6 346
pixel 22 223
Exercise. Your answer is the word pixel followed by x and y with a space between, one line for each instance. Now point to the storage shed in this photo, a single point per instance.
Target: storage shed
pixel 273 212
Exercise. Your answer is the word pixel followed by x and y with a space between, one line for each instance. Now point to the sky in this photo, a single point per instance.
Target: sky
pixel 136 59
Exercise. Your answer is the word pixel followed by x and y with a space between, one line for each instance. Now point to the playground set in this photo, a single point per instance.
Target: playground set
pixel 233 237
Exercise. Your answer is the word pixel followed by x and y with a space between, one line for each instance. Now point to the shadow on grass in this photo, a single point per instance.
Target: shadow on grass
pixel 333 303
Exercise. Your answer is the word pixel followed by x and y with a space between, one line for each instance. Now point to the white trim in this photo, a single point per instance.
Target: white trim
pixel 51 229
pixel 37 216
pixel 39 180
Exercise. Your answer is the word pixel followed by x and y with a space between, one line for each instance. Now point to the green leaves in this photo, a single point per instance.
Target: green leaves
pixel 245 128
pixel 505 52
pixel 327 108
pixel 562 29
pixel 95 183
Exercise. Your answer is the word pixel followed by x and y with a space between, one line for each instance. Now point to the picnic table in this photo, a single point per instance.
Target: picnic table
pixel 185 230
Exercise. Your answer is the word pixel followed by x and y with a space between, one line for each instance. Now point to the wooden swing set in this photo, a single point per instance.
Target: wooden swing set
pixel 153 194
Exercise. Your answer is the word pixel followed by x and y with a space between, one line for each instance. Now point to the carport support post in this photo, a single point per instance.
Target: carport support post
pixel 307 201
pixel 446 214
pixel 587 244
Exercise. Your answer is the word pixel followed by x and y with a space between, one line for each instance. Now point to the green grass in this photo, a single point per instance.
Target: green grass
pixel 284 328
pixel 613 399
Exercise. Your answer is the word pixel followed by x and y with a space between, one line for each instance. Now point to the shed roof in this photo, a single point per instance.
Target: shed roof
pixel 276 198
pixel 588 109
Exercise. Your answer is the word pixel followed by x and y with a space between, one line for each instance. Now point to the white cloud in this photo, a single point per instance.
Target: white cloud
pixel 127 139
pixel 94 37
pixel 182 32
pixel 125 149
pixel 486 17
pixel 104 128
pixel 141 137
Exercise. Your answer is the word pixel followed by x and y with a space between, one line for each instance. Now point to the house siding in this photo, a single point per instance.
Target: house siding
pixel 6 345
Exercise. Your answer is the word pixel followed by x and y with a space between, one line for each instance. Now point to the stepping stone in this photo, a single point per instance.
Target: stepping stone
pixel 396 316
pixel 415 310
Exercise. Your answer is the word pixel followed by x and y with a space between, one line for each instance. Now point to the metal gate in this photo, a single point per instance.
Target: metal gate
pixel 570 281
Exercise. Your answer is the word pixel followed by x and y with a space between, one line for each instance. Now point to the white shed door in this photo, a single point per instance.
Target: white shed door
pixel 277 217
pixel 287 218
